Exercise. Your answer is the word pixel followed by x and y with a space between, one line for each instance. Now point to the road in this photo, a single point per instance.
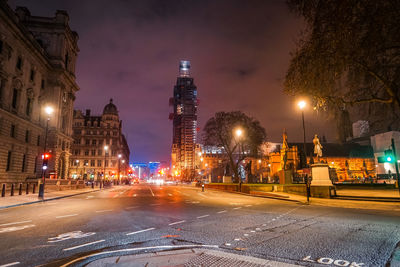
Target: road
pixel 55 232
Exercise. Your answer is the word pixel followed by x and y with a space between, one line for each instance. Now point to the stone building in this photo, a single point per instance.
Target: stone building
pixel 91 133
pixel 37 69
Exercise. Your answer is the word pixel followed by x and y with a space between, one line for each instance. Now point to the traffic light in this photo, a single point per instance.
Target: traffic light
pixel 45 157
pixel 388 158
pixel 389 155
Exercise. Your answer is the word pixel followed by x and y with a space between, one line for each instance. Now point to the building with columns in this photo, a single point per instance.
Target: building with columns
pixel 99 145
pixel 37 69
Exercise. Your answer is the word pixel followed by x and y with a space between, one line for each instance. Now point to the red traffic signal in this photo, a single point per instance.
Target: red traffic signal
pixel 45 158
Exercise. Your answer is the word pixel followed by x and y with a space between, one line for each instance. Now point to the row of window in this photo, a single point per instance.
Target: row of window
pixel 77 152
pixel 95 124
pixel 95 142
pixel 23 165
pixel 92 163
pixel 13 134
pixel 91 132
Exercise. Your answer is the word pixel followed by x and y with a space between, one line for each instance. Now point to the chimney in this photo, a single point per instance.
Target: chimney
pixel 88 113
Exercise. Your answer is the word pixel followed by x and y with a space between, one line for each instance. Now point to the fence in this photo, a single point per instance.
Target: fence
pixel 19 188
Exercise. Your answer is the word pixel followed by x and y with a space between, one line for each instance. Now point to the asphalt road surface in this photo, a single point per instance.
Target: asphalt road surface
pixel 56 232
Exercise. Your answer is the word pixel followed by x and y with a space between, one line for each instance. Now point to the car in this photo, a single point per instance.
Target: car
pixel 135 181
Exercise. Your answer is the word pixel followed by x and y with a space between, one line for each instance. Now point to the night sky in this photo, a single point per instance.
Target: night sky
pixel 130 51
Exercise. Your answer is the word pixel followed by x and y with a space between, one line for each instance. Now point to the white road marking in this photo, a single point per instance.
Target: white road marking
pixel 12 223
pixel 222 211
pixel 227 244
pixel 258 229
pixel 248 206
pixel 252 231
pixel 151 191
pixel 199 217
pixel 131 207
pixel 172 202
pixel 116 196
pixel 246 234
pixel 237 208
pixel 84 245
pixel 135 195
pixel 177 222
pixel 200 194
pixel 329 261
pixel 65 216
pixel 89 197
pixel 195 202
pixel 70 235
pixel 141 231
pixel 136 249
pixel 169 194
pixel 156 204
pixel 237 239
pixel 15 228
pixel 10 264
pixel 98 211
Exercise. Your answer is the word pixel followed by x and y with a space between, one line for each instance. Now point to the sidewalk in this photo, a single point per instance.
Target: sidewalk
pixel 18 200
pixel 184 257
pixel 332 202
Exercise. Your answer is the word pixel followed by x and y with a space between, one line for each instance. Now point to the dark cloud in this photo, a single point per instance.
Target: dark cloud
pixel 130 51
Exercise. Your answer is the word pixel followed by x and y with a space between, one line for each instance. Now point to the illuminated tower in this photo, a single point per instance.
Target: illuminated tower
pixel 184 119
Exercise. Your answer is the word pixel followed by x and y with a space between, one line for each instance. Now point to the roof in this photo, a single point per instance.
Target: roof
pixel 110 108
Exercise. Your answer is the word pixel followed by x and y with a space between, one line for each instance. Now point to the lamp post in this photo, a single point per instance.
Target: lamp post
pixel 104 169
pixel 119 167
pixel 77 165
pixel 85 165
pixel 123 168
pixel 239 133
pixel 48 110
pixel 302 104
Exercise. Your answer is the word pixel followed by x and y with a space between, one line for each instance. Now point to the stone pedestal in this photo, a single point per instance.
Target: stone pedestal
pixel 285 177
pixel 320 175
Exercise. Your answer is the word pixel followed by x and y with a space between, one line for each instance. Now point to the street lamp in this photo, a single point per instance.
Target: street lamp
pixel 239 133
pixel 84 170
pixel 48 110
pixel 77 164
pixel 104 168
pixel 119 167
pixel 302 104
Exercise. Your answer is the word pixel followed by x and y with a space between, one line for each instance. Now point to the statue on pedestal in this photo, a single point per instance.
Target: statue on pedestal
pixel 317 147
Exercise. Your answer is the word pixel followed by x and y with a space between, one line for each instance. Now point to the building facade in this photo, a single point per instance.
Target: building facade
pixel 99 149
pixel 184 119
pixel 37 69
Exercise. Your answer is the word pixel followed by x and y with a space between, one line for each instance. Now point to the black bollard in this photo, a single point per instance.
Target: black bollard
pixel 12 190
pixel 33 188
pixel 27 189
pixel 202 187
pixel 92 185
pixel 3 190
pixel 20 189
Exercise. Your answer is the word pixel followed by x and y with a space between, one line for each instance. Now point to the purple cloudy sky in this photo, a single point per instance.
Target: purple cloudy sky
pixel 130 51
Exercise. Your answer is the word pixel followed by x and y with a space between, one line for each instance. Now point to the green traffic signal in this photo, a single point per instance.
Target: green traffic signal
pixel 389 159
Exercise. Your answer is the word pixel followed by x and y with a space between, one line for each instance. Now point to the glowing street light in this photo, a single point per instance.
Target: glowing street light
pixel 48 110
pixel 302 104
pixel 104 168
pixel 239 132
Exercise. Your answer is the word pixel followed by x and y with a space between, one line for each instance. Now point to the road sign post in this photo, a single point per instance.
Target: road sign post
pixel 396 164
